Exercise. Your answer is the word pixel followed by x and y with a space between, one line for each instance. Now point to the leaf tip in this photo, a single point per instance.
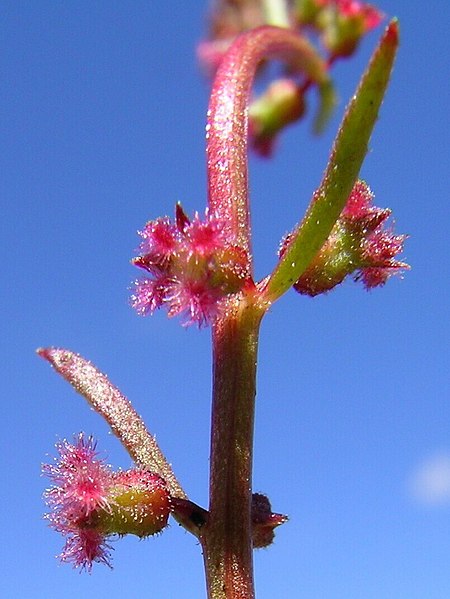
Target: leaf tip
pixel 392 32
pixel 44 352
pixel 55 355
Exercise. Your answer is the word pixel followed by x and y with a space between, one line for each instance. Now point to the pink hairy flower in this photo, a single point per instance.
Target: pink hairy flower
pixel 378 245
pixel 193 265
pixel 340 23
pixel 159 240
pixel 82 480
pixel 81 484
pixel 370 16
pixel 85 546
pixel 358 244
pixel 88 503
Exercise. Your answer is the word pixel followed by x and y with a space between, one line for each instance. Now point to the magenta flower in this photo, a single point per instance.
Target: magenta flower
pixel 88 503
pixel 359 243
pixel 82 480
pixel 378 245
pixel 81 483
pixel 193 265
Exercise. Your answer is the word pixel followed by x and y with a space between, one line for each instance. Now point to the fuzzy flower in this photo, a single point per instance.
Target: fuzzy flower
pixel 192 267
pixel 88 503
pixel 358 244
pixel 80 479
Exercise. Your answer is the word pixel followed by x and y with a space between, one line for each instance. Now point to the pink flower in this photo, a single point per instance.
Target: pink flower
pixel 83 547
pixel 159 240
pixel 378 245
pixel 196 301
pixel 193 266
pixel 88 503
pixel 149 294
pixel 81 478
pixel 81 483
pixel 358 244
pixel 353 9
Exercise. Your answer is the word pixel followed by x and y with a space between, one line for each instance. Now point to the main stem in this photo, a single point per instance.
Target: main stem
pixel 226 539
pixel 227 536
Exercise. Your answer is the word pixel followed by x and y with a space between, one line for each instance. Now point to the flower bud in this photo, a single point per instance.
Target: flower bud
pixel 264 521
pixel 282 104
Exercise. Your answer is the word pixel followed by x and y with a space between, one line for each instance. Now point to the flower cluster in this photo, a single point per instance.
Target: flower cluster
pixel 89 502
pixel 341 24
pixel 359 243
pixel 193 266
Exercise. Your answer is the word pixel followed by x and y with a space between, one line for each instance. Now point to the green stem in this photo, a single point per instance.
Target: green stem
pixel 226 539
pixel 227 127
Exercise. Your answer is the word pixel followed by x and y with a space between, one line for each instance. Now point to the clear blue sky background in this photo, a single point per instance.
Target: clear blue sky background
pixel 102 117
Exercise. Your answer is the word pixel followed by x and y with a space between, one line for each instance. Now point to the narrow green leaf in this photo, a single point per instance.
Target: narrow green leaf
pixel 347 155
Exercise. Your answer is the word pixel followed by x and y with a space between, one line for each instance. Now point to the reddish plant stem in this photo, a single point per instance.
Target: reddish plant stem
pixel 227 126
pixel 226 539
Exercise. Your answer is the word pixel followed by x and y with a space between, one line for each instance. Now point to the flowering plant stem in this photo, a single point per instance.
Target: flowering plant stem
pixel 226 540
pixel 204 270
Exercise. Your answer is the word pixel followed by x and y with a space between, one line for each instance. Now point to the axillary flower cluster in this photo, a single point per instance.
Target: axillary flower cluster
pixel 89 503
pixel 193 265
pixel 359 244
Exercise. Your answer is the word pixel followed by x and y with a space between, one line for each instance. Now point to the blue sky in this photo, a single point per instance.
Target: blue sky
pixel 103 113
